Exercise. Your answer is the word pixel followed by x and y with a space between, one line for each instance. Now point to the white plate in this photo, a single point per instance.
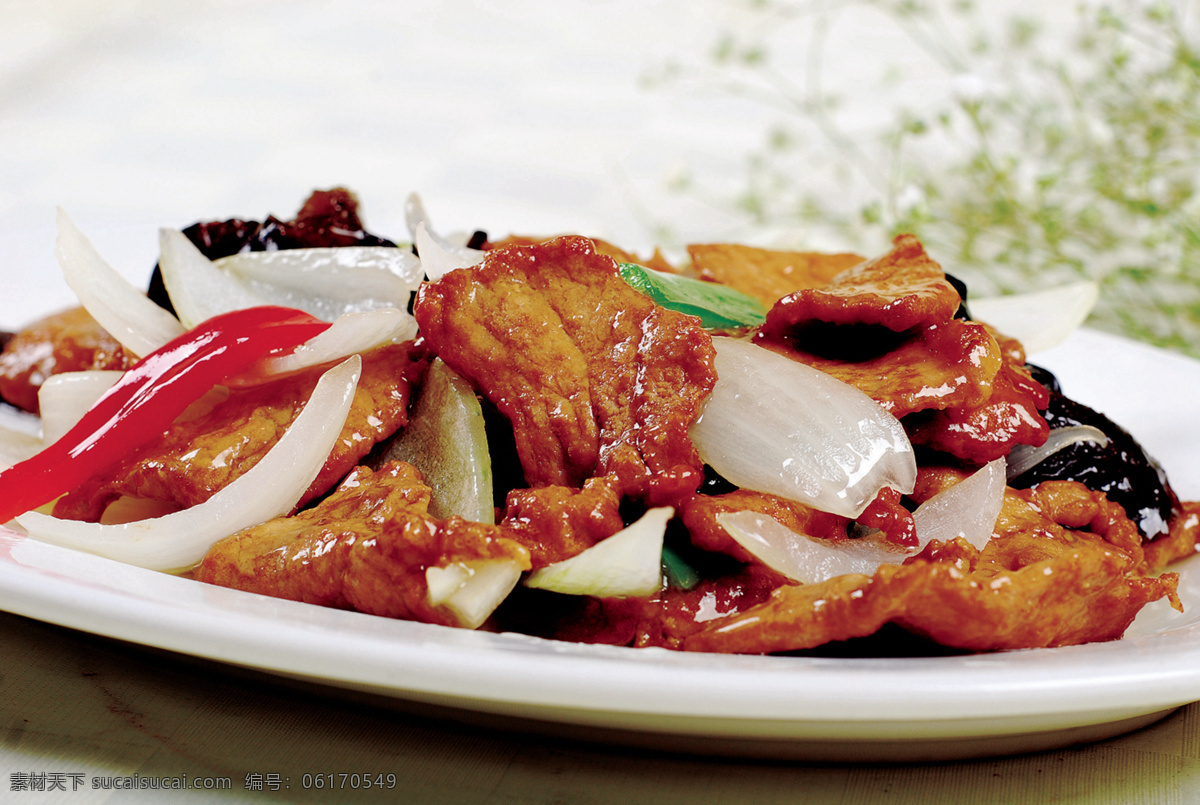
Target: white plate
pixel 811 708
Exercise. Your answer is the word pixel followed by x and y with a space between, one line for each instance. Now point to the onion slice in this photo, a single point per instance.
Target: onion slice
pixel 629 563
pixel 349 334
pixel 415 215
pixel 1039 319
pixel 438 259
pixel 64 398
pixel 1025 457
pixel 968 509
pixel 329 282
pixel 17 446
pixel 124 311
pixel 438 254
pixel 777 426
pixel 269 489
pixel 198 289
pixel 325 282
pixel 15 419
pixel 803 558
pixel 472 590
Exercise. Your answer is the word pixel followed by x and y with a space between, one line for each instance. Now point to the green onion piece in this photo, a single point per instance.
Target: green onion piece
pixel 718 306
pixel 679 574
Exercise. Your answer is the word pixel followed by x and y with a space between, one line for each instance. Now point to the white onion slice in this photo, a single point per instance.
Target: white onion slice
pixel 124 311
pixel 329 282
pixel 17 446
pixel 472 590
pixel 349 334
pixel 1039 319
pixel 269 489
pixel 629 563
pixel 777 426
pixel 15 419
pixel 198 289
pixel 438 254
pixel 326 283
pixel 415 215
pixel 802 558
pixel 1024 457
pixel 968 509
pixel 20 435
pixel 437 259
pixel 64 398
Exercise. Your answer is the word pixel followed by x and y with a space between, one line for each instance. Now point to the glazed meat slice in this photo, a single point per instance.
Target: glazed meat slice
pixel 200 455
pixel 558 522
pixel 656 261
pixel 365 547
pixel 899 290
pixel 595 379
pixel 944 365
pixel 1182 537
pixel 889 328
pixel 987 430
pixel 1064 566
pixel 70 341
pixel 767 274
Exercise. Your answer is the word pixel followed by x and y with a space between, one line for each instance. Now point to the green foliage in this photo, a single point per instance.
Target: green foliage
pixel 1043 163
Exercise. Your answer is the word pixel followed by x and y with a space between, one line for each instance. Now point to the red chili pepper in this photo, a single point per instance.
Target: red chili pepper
pixel 148 397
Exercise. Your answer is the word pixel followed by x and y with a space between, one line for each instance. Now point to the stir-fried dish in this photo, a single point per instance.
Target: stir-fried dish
pixel 747 451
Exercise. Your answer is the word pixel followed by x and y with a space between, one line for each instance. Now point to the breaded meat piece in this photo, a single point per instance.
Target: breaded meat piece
pixel 366 547
pixel 1064 566
pixel 901 289
pixel 558 522
pixel 767 274
pixel 595 378
pixel 70 341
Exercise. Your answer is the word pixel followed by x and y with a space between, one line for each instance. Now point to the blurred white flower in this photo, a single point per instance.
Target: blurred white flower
pixel 968 87
pixel 909 198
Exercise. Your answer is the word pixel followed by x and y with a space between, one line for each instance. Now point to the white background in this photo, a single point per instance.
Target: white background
pixel 518 116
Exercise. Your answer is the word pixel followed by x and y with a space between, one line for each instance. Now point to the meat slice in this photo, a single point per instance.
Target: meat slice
pixel 70 341
pixel 889 328
pixel 1064 566
pixel 366 547
pixel 595 379
pixel 664 620
pixel 1182 538
pixel 700 518
pixel 200 455
pixel 767 274
pixel 938 366
pixel 655 261
pixel 980 431
pixel 558 522
pixel 899 290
